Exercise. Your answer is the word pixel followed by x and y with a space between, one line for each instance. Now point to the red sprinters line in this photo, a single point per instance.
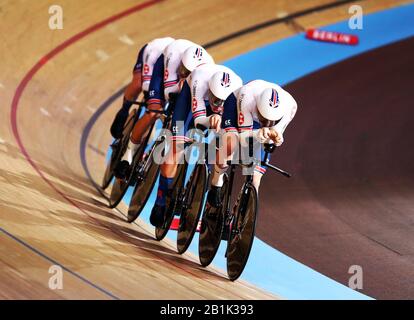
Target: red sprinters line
pixel 28 77
pixel 15 103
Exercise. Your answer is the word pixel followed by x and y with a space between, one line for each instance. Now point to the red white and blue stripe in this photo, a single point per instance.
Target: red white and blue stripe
pixel 274 99
pixel 225 80
pixel 171 83
pixel 260 169
pixel 198 53
pixel 230 129
pixel 154 101
pixel 199 113
pixel 181 138
pixel 245 128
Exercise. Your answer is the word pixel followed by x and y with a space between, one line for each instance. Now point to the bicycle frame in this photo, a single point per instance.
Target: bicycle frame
pixel 168 115
pixel 269 148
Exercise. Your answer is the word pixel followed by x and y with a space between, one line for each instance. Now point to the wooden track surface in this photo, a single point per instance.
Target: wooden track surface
pixel 50 213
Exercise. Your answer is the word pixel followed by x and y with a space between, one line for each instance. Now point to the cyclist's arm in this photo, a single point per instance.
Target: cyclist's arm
pixel 156 86
pixel 183 98
pixel 198 105
pixel 281 126
pixel 171 80
pixel 229 119
pixel 245 121
pixel 147 68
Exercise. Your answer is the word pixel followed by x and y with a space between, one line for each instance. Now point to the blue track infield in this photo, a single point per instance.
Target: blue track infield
pixel 283 62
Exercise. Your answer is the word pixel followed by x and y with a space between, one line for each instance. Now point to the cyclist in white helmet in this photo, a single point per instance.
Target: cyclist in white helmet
pixel 200 103
pixel 173 65
pixel 261 110
pixel 141 77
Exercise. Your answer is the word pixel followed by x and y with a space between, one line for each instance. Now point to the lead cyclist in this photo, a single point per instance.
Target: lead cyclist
pixel 259 110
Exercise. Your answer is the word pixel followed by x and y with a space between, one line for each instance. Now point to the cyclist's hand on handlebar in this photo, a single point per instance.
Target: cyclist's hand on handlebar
pixel 215 122
pixel 275 137
pixel 265 134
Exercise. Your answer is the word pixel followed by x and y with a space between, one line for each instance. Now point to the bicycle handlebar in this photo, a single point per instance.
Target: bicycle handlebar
pixel 278 170
pixel 269 148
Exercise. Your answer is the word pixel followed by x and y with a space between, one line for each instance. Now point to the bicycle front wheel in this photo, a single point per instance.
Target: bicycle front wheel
pixel 211 229
pixel 193 204
pixel 242 232
pixel 109 171
pixel 143 188
pixel 178 185
pixel 118 149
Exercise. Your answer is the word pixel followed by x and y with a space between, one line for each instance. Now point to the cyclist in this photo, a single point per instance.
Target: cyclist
pixel 176 62
pixel 261 110
pixel 200 102
pixel 141 77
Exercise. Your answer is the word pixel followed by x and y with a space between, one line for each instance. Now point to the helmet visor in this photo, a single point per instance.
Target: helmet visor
pixel 265 122
pixel 214 101
pixel 183 72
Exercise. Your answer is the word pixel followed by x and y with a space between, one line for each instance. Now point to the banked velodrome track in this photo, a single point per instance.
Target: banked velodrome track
pixel 50 85
pixel 353 160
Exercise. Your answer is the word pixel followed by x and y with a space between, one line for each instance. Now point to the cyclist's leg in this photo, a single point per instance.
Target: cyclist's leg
pixel 229 141
pixel 168 169
pixel 181 121
pixel 155 106
pixel 131 93
pixel 226 150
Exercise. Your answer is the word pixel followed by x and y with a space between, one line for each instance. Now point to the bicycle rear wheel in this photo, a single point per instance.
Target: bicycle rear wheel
pixel 193 204
pixel 120 186
pixel 242 232
pixel 119 148
pixel 109 171
pixel 211 229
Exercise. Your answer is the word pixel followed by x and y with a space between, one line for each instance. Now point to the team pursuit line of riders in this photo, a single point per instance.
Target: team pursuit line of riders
pixel 211 121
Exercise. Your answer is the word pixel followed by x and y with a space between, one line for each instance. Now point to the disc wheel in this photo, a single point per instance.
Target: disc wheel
pixel 120 186
pixel 242 232
pixel 109 171
pixel 211 229
pixel 193 204
pixel 118 149
pixel 178 184
pixel 143 188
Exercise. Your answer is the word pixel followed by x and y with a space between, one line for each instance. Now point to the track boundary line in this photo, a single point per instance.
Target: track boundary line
pixel 43 60
pixel 54 262
pixel 109 101
pixel 272 22
pixel 15 104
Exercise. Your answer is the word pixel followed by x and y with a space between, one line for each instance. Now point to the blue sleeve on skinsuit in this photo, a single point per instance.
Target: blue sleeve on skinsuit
pixel 229 120
pixel 156 87
pixel 182 108
pixel 140 60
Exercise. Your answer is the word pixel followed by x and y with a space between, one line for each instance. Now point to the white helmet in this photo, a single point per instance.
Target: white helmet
pixel 268 105
pixel 223 83
pixel 195 56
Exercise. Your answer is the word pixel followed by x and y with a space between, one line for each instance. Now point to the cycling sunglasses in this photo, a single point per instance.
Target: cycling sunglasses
pixel 266 123
pixel 214 101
